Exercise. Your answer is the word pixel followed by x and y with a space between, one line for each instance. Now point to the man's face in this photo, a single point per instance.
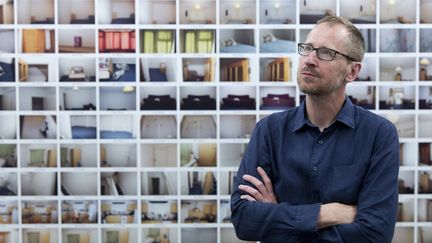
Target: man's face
pixel 320 77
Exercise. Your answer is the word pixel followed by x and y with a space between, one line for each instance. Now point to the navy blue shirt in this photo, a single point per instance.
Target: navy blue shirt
pixel 354 161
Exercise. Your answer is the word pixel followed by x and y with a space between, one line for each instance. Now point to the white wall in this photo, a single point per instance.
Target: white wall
pixel 104 12
pixel 128 183
pixel 198 235
pixel 82 183
pixel 81 8
pixel 39 183
pixel 77 98
pixel 42 9
pixel 424 92
pixel 166 178
pixel 318 5
pixel 147 63
pixel 8 127
pixel 8 98
pixel 115 98
pixel 118 123
pixel 92 232
pixel 351 9
pixel 409 92
pixel 286 10
pixel 207 11
pixel 247 10
pixel 425 7
pixel 87 121
pixel 66 37
pixel 359 92
pixel 231 154
pixel 149 10
pixel 8 41
pixel 48 93
pixel 89 65
pixel 23 9
pixel 118 155
pixel 123 8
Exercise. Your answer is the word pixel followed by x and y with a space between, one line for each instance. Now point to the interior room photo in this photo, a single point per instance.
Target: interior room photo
pixel 7 12
pixel 237 41
pixel 8 184
pixel 117 98
pixel 400 69
pixel 79 183
pixel 159 183
pixel 38 127
pixel 397 97
pixel 397 40
pixel 162 234
pixel 78 235
pixel 149 12
pixel 270 70
pixel 276 12
pixel 37 41
pixel 364 96
pixel 425 130
pixel 231 154
pixel 313 10
pixel 237 98
pixel 46 235
pixel 425 40
pixel 197 12
pixel 158 212
pixel 196 235
pixel 362 12
pixel 39 212
pixel 198 69
pixel 198 155
pixel 119 211
pixel 76 12
pixel 425 6
pixel 277 98
pixel 117 69
pixel 37 68
pixel 37 98
pixel 116 40
pixel 197 41
pixel 405 124
pixel 8 39
pixel 397 11
pixel 8 155
pixel 237 12
pixel 235 70
pixel 117 127
pixel 115 183
pixel 7 98
pixel 198 126
pixel 78 155
pixel 77 126
pixel 77 69
pixel 163 69
pixel 157 41
pixel 7 69
pixel 158 98
pixel 8 129
pixel 226 183
pixel 425 97
pixel 77 98
pixel 119 234
pixel 277 41
pixel 198 183
pixel 76 41
pixel 38 155
pixel 158 155
pixel 35 12
pixel 79 212
pixel 198 211
pixel 9 213
pixel 198 98
pixel 158 127
pixel 39 184
pixel 116 12
pixel 118 155
pixel 236 126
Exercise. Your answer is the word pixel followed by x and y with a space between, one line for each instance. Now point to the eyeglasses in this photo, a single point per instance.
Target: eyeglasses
pixel 323 53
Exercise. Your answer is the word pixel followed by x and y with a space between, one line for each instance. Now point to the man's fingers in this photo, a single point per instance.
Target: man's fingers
pixel 257 183
pixel 247 197
pixel 266 179
pixel 251 191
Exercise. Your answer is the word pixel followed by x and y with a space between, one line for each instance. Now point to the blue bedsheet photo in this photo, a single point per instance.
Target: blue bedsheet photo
pixel 278 46
pixel 82 132
pixel 7 72
pixel 115 134
pixel 238 48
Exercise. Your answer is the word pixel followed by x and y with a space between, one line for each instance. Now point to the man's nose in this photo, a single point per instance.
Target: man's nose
pixel 311 59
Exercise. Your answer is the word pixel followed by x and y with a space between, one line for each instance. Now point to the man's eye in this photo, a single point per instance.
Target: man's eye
pixel 326 52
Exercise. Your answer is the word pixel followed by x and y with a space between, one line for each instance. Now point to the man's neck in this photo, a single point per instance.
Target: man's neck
pixel 322 110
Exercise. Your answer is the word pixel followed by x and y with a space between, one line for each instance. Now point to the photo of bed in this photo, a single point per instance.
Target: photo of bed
pixel 398 12
pixel 77 12
pixel 277 98
pixel 237 41
pixel 37 69
pixel 313 10
pixel 162 69
pixel 8 155
pixel 117 69
pixel 36 12
pixel 37 98
pixel 117 98
pixel 8 184
pixel 77 98
pixel 198 98
pixel 397 40
pixel 149 12
pixel 237 98
pixel 158 98
pixel 157 41
pixel 77 69
pixel 363 12
pixel 6 12
pixel 36 41
pixel 77 126
pixel 117 127
pixel 198 12
pixel 275 69
pixel 78 155
pixel 8 128
pixel 76 41
pixel 116 12
pixel 7 69
pixel 158 127
pixel 277 12
pixel 8 40
pixel 198 69
pixel 397 69
pixel 198 126
pixel 116 41
pixel 197 41
pixel 237 12
pixel 277 41
pixel 79 212
pixel 79 183
pixel 38 127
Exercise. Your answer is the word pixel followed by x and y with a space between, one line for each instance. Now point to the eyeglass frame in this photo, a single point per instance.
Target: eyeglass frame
pixel 323 48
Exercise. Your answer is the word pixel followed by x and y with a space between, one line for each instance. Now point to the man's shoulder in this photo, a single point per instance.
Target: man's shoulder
pixel 369 119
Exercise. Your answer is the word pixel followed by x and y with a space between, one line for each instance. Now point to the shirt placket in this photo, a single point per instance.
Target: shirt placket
pixel 314 167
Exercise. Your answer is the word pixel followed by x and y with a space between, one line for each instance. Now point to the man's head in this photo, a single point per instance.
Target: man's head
pixel 330 57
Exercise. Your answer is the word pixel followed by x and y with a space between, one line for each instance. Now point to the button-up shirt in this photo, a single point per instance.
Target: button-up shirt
pixel 354 161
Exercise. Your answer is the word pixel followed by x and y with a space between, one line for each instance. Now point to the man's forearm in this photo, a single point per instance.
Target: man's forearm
pixel 335 213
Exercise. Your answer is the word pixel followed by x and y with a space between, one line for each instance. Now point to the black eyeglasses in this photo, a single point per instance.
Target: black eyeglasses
pixel 323 53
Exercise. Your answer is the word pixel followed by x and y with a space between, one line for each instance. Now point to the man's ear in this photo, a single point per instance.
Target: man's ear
pixel 353 71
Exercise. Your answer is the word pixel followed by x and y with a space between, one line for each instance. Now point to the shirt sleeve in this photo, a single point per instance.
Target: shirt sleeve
pixel 259 221
pixel 378 196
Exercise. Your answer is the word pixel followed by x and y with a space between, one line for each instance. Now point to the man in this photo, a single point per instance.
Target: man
pixel 326 171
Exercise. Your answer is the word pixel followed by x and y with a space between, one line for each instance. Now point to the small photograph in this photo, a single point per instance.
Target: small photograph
pixel 235 69
pixel 368 70
pixel 364 96
pixel 7 69
pixel 162 235
pixel 117 98
pixel 158 41
pixel 76 41
pixel 118 155
pixel 425 182
pixel 38 127
pixel 37 69
pixel 77 126
pixel 38 155
pixel 149 12
pixel 398 12
pixel 197 235
pixel 425 210
pixel 272 69
pixel 406 182
pixel 425 73
pixel 9 215
pixel 425 9
pixel 77 98
pixel 237 41
pixel 82 12
pixel 397 40
pixel 7 12
pixel 117 127
pixel 79 212
pixel 117 69
pixel 37 98
pixel 159 183
pixel 237 12
pixel 119 212
pixel 79 183
pixel 405 211
pixel 425 40
pixel 198 183
pixel 408 154
pixel 115 183
pixel 8 184
pixel 363 12
pixel 78 155
pixel 71 235
pixel 7 99
pixel 228 235
pixel 237 98
pixel 425 97
pixel 226 182
pixel 77 69
pixel 35 12
pixel 116 40
pixel 231 154
pixel 225 216
pixel 397 69
pixel 313 10
pixel 116 12
pixel 198 126
pixel 198 12
pixel 405 124
pixel 39 212
pixel 198 98
pixel 424 128
pixel 8 129
pixel 198 69
pixel 199 211
pixel 159 212
pixel 161 69
pixel 397 97
pixel 158 127
pixel 8 39
pixel 236 126
pixel 39 184
pixel 158 98
pixel 277 98
pixel 198 154
pixel 119 234
pixel 197 41
pixel 8 155
pixel 36 41
pixel 159 155
pixel 277 41
pixel 404 234
pixel 39 235
pixel 277 12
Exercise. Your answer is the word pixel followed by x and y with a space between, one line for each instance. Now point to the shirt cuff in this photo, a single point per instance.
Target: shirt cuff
pixel 307 218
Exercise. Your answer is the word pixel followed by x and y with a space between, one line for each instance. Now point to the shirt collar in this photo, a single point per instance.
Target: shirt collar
pixel 345 115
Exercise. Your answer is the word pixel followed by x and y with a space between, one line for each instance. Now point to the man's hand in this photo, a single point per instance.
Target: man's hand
pixel 263 192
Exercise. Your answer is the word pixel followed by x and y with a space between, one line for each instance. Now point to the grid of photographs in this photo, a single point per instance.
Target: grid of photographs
pixel 126 120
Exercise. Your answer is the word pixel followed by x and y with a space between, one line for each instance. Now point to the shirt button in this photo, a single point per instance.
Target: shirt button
pixel 320 141
pixel 314 168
